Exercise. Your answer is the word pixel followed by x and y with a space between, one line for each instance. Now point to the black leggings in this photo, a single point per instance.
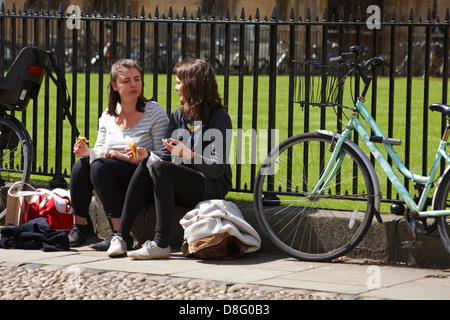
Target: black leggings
pixel 169 184
pixel 109 178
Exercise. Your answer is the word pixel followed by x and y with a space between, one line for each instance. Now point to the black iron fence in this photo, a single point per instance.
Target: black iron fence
pixel 252 56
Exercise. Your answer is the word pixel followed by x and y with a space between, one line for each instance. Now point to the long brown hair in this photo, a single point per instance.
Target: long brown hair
pixel 199 89
pixel 113 95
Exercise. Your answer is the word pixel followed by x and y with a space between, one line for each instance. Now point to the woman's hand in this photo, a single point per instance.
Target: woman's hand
pixel 80 149
pixel 142 154
pixel 113 154
pixel 177 148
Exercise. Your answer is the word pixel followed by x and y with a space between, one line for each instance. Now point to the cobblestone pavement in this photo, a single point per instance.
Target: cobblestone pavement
pixel 48 282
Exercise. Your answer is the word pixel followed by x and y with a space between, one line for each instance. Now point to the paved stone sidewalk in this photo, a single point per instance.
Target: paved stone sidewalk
pixel 86 274
pixel 50 282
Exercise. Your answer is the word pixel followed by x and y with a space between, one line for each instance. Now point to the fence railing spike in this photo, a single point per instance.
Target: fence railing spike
pixel 13 8
pixel 358 14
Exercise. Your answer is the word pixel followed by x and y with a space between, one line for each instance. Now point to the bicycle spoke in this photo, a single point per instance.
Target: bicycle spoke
pixel 15 157
pixel 312 225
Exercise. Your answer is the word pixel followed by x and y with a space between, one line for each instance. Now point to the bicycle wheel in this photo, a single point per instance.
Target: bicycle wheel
pixel 16 155
pixel 313 227
pixel 441 201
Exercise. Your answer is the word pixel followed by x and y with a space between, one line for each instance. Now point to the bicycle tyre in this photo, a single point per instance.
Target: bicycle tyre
pixel 16 156
pixel 441 201
pixel 319 228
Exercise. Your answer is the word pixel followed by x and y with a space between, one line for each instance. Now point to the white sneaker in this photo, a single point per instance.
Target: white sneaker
pixel 117 247
pixel 150 250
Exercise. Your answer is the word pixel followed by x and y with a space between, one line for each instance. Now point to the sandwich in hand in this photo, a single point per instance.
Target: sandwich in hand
pixel 80 138
pixel 133 148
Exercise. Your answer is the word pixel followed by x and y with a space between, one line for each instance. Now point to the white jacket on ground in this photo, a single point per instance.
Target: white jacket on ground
pixel 211 221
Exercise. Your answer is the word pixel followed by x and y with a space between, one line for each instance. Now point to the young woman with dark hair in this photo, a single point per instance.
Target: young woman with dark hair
pixel 196 167
pixel 109 166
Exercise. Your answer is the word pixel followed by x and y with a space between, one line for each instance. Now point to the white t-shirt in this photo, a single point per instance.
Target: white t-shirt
pixel 147 133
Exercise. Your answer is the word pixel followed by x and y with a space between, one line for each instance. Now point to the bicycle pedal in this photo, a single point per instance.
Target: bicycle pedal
pixel 412 244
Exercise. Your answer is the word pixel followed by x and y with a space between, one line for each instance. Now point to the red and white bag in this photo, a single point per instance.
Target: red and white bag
pixel 54 205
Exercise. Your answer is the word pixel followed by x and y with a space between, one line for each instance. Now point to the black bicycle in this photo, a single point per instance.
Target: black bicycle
pixel 21 84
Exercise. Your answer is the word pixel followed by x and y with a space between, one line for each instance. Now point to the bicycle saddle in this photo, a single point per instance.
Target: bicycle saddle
pixel 440 107
pixel 23 79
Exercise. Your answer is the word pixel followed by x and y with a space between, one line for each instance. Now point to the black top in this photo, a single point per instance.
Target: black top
pixel 210 142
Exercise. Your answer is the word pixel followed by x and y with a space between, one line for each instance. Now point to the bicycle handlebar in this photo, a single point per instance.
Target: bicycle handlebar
pixel 344 57
pixel 375 61
pixel 353 58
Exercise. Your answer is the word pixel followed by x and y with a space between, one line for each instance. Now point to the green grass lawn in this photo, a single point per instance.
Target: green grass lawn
pixel 282 95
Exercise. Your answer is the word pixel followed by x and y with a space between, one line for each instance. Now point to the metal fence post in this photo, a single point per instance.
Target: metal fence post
pixel 58 180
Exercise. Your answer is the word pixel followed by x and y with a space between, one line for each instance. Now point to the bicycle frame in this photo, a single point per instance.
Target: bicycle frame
pixel 356 124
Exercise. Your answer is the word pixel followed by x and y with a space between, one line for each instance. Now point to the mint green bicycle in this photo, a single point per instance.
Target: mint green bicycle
pixel 316 193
